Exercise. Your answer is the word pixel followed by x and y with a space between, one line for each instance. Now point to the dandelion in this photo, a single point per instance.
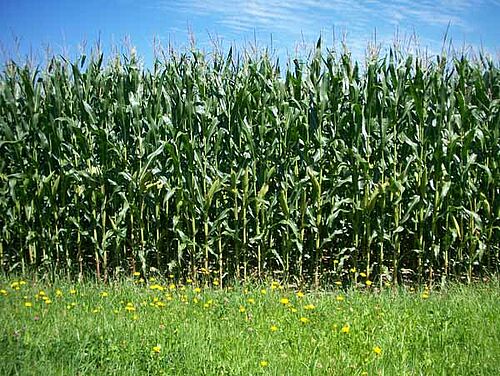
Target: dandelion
pixel 129 307
pixel 284 301
pixel 59 293
pixel 353 270
pixel 425 295
pixel 364 373
pixel 171 276
pixel 136 274
pixel 263 291
pixel 338 283
pixel 156 349
pixel 264 363
pixel 171 286
pixel 300 294
pixel 189 281
pixel 293 309
pixel 346 328
pixel 274 328
pixel 362 274
pixel 377 350
pixel 72 291
pixel 304 320
pixel 251 300
pixel 104 294
pixel 48 301
pixel 28 304
pixel 309 307
pixel 215 282
pixel 368 282
pixel 242 309
pixel 197 290
pixel 3 292
pixel 339 298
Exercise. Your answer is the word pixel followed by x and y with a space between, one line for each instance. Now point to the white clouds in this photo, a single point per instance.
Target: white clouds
pixel 295 19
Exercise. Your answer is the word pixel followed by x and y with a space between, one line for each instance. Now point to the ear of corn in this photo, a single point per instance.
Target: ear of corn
pixel 223 164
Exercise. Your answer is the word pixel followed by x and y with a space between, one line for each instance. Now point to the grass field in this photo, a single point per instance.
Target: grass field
pixel 173 328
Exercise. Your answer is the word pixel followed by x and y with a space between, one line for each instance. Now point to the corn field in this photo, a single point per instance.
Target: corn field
pixel 234 165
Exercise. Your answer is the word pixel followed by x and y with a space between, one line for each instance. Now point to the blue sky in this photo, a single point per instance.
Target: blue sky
pixel 290 25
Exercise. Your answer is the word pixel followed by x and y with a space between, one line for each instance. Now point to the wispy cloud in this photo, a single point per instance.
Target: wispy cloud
pixel 297 19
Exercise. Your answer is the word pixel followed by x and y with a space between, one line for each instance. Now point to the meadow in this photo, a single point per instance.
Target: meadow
pixel 165 327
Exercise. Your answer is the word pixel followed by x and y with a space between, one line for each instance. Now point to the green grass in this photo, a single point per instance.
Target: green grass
pixel 453 331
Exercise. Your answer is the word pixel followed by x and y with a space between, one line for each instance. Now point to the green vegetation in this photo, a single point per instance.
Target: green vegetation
pixel 169 328
pixel 225 163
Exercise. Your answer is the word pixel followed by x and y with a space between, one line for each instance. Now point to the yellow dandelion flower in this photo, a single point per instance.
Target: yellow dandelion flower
pixel 263 291
pixel 353 270
pixel 129 307
pixel 206 305
pixel 59 293
pixel 48 301
pixel 171 276
pixel 264 363
pixel 364 373
pixel 284 301
pixel 156 349
pixel 300 294
pixel 346 328
pixel 338 283
pixel 304 320
pixel 197 290
pixel 377 350
pixel 152 279
pixel 41 293
pixel 425 295
pixel 189 281
pixel 339 298
pixel 368 282
pixel 137 274
pixel 274 328
pixel 242 309
pixel 309 307
pixel 362 274
pixel 72 291
pixel 104 294
pixel 3 292
pixel 28 304
pixel 195 301
pixel 251 300
pixel 215 282
pixel 14 284
pixel 293 309
pixel 171 286
pixel 169 298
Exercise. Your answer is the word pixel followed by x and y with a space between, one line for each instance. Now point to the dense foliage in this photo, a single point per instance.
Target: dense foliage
pixel 226 163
